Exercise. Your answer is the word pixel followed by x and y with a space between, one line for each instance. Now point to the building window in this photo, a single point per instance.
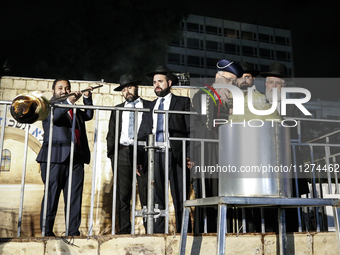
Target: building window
pixel 281 40
pixel 6 160
pixel 249 51
pixel 177 42
pixel 212 46
pixel 231 48
pixel 195 75
pixel 194 27
pixel 211 63
pixel 264 38
pixel 194 43
pixel 248 35
pixel 264 68
pixel 265 53
pixel 174 58
pixel 195 61
pixel 282 55
pixel 231 33
pixel 182 24
pixel 213 30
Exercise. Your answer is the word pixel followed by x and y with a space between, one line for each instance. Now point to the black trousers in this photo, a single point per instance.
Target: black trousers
pixel 59 176
pixel 124 188
pixel 176 187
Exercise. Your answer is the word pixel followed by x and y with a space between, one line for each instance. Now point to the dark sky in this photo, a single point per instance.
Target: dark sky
pixel 102 39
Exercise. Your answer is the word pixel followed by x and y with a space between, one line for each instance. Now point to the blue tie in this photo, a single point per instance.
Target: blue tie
pixel 132 121
pixel 160 120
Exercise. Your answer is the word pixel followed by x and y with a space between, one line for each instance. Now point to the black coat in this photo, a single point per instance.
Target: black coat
pixel 110 138
pixel 179 124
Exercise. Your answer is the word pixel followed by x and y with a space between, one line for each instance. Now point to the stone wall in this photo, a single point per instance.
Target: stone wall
pixel 246 244
pixel 10 87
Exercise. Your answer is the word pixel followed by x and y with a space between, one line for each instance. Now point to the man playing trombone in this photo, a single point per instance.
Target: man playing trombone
pixel 60 156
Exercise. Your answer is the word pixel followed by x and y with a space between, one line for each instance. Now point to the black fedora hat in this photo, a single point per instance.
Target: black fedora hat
pixel 166 71
pixel 126 80
pixel 248 68
pixel 276 69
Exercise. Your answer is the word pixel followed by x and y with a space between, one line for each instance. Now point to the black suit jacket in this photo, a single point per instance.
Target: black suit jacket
pixel 62 135
pixel 110 138
pixel 179 124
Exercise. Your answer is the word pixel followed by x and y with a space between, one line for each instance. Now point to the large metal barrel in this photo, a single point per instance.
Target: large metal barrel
pixel 247 149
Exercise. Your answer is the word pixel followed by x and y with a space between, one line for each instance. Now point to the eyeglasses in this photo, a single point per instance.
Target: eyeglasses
pixel 276 83
pixel 229 80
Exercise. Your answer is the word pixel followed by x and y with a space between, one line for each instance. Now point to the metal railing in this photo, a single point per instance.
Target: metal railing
pixel 316 166
pixel 134 213
pixel 295 143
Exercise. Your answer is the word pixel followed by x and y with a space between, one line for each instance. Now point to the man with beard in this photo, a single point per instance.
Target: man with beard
pixel 248 77
pixel 178 126
pixel 129 88
pixel 60 156
pixel 247 81
pixel 227 73
pixel 276 77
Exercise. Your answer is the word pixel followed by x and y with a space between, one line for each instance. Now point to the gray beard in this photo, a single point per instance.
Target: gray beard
pixel 269 95
pixel 131 99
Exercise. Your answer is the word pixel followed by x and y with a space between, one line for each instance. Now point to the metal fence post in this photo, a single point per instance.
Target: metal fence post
pixel 47 181
pixel 94 173
pixel 23 176
pixel 70 174
pixel 3 124
pixel 151 180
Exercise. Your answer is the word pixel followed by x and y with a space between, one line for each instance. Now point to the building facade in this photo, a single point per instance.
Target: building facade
pixel 206 40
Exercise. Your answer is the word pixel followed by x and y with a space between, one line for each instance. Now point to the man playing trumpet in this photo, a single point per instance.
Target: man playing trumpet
pixel 60 156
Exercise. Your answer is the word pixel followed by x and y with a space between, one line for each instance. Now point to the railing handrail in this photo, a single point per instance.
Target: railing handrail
pixel 202 140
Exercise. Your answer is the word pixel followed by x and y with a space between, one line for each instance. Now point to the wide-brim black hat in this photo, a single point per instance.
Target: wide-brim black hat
pixel 126 80
pixel 276 69
pixel 248 68
pixel 165 71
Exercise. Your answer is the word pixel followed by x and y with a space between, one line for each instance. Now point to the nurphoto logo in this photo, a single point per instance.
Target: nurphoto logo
pixel 238 100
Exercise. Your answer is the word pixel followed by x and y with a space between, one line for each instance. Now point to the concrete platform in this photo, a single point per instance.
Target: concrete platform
pixel 298 243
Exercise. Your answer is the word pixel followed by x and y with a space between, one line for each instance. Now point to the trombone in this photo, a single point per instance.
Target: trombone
pixel 31 108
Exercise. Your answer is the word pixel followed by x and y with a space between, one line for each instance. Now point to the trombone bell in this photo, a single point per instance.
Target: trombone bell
pixel 29 108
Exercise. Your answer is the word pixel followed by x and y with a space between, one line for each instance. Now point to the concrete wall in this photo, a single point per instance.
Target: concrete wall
pixel 298 243
pixel 10 181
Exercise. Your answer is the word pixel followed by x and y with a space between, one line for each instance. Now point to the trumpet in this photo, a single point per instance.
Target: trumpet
pixel 31 108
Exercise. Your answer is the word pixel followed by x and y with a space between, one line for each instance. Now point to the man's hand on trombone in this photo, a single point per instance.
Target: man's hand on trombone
pixel 77 94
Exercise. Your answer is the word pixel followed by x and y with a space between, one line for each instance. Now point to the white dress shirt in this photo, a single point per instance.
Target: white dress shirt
pixel 124 135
